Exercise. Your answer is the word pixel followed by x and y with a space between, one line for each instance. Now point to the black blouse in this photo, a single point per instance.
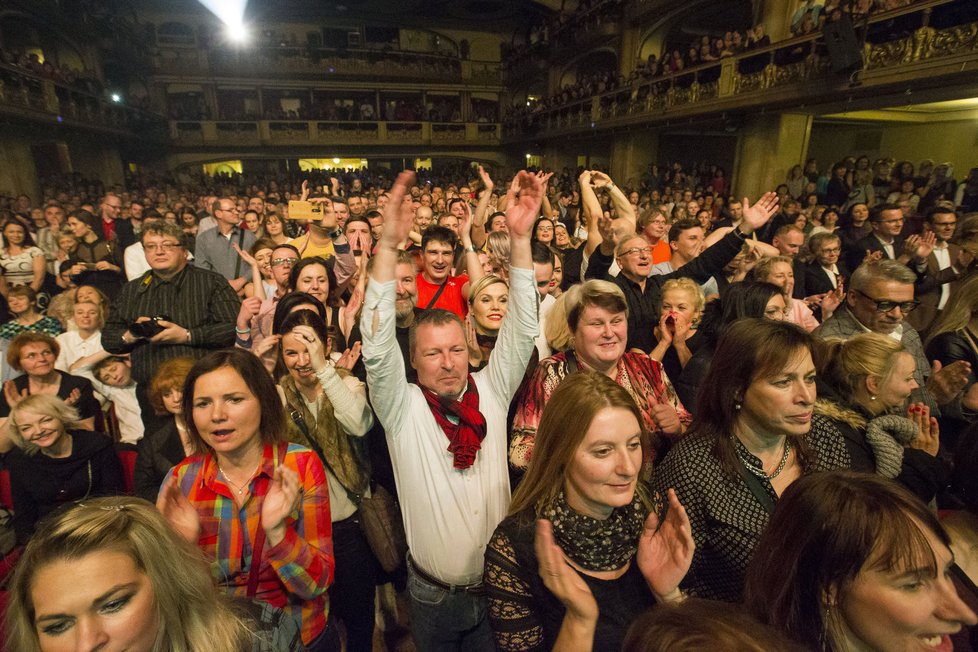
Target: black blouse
pixel 726 518
pixel 87 405
pixel 525 615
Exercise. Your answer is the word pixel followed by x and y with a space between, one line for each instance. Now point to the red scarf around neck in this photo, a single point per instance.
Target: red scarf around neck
pixel 466 436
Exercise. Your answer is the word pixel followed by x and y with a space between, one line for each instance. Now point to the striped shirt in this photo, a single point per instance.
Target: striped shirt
pixel 196 299
pixel 296 572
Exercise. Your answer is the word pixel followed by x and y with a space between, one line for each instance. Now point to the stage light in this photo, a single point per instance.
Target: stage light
pixel 116 98
pixel 336 161
pixel 231 13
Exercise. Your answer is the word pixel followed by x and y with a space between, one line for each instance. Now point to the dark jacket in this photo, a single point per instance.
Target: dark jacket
pixel 156 455
pixel 41 484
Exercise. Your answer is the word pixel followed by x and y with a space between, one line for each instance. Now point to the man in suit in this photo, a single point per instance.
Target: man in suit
pixel 886 220
pixel 944 265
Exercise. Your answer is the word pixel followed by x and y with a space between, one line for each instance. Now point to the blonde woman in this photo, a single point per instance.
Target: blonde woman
pixel 116 567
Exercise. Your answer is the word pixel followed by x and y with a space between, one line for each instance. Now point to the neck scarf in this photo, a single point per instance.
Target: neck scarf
pixel 466 436
pixel 594 544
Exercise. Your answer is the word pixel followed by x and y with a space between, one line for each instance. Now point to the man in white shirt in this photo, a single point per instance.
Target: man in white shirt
pixel 447 434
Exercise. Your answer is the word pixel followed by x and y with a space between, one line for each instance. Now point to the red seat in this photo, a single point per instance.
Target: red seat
pixel 6 495
pixel 127 456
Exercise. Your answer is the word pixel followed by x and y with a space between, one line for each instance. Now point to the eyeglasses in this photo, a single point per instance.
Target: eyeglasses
pixel 162 246
pixel 637 250
pixel 288 262
pixel 833 250
pixel 887 306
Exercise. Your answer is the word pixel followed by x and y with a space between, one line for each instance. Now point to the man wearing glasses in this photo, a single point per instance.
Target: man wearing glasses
pixel 113 224
pixel 216 247
pixel 193 311
pixel 253 329
pixel 945 264
pixel 881 295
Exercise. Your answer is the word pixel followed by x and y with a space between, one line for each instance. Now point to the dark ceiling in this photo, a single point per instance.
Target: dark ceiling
pixel 499 16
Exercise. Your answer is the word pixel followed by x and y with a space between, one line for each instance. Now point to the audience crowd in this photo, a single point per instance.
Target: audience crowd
pixel 548 410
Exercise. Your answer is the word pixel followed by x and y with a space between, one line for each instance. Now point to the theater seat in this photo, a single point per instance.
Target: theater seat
pixel 6 495
pixel 127 455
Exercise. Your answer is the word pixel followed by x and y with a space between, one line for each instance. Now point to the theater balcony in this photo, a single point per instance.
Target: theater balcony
pixel 33 99
pixel 361 134
pixel 928 49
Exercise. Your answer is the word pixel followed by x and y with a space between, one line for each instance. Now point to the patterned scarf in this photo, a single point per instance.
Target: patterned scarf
pixel 324 429
pixel 466 436
pixel 594 544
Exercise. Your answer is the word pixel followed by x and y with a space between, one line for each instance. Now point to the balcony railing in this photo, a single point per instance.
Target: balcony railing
pixel 798 67
pixel 321 63
pixel 39 98
pixel 318 132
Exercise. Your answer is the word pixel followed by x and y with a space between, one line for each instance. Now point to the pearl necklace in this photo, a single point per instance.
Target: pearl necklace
pixel 759 472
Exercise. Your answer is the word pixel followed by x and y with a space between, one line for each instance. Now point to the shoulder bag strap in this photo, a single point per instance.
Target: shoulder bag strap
pixel 296 415
pixel 237 264
pixel 434 299
pixel 756 488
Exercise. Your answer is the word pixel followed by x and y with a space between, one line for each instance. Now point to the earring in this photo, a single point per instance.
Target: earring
pixel 873 397
pixel 737 406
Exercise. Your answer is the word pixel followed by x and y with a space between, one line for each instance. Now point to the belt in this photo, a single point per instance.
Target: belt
pixel 478 588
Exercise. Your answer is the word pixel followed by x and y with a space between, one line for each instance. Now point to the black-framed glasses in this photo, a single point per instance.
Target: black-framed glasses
pixel 883 305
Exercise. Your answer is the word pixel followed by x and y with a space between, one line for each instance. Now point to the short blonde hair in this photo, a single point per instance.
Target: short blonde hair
pixel 480 286
pixel 45 405
pixel 687 285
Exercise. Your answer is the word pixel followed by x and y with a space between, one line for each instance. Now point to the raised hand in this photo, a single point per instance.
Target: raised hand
pixel 314 345
pixel 946 382
pixel 12 395
pixel 267 344
pixel 279 502
pixel 562 580
pixel 522 212
pixel 486 179
pixel 665 550
pixel 73 397
pixel 475 351
pixel 398 218
pixel 245 256
pixel 928 437
pixel 756 215
pixel 178 511
pixel 666 419
pixel 350 357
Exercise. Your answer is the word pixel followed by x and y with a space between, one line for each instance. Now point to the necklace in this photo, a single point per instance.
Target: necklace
pixel 239 488
pixel 759 472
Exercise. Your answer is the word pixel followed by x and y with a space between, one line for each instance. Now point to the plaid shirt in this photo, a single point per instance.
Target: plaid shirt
pixel 295 573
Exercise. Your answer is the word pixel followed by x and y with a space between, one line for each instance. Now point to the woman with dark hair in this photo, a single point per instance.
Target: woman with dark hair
pixel 753 434
pixel 329 413
pixel 742 299
pixel 851 561
pixel 257 505
pixel 962 524
pixel 21 261
pixel 582 552
pixel 95 261
pixel 543 231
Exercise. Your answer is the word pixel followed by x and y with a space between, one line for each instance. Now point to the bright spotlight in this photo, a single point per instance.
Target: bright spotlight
pixel 336 161
pixel 116 98
pixel 237 33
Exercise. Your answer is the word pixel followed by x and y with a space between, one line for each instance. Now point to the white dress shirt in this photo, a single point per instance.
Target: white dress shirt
pixel 449 514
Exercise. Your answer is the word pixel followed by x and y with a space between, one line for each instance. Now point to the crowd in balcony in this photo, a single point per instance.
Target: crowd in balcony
pixel 82 80
pixel 563 27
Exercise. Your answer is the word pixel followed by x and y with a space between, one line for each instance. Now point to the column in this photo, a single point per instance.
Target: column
pixel 768 147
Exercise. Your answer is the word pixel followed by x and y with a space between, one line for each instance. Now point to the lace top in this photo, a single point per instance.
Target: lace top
pixel 524 615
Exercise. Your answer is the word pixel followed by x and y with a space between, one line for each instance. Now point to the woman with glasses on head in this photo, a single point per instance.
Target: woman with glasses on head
pixel 110 574
pixel 256 505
